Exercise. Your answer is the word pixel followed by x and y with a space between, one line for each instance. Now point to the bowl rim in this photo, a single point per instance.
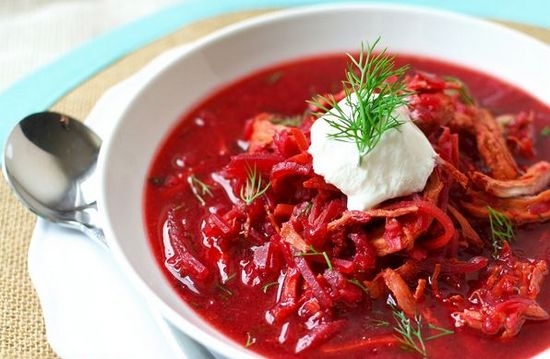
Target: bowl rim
pixel 229 347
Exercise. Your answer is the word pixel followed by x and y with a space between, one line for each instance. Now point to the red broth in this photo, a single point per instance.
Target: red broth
pixel 206 138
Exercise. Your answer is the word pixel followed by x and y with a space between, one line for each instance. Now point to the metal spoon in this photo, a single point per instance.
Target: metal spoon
pixel 49 162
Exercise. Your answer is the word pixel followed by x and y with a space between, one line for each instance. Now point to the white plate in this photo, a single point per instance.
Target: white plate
pixel 90 309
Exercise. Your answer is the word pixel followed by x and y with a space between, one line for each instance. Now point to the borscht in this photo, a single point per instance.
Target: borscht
pixel 374 204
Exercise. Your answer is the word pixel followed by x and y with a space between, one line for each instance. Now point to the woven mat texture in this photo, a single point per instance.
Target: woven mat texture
pixel 22 332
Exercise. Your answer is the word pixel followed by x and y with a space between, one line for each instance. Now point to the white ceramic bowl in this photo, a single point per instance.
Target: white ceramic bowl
pixel 245 47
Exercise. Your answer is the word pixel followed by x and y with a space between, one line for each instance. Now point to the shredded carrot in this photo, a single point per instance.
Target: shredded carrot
pixel 434 280
pixel 361 344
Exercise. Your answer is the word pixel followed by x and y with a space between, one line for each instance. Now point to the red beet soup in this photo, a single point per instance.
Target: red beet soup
pixel 266 251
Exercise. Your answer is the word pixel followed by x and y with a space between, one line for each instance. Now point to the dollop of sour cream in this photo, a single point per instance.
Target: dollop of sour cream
pixel 398 165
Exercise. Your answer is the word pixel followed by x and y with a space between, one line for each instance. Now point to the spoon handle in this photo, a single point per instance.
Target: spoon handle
pixel 95 233
pixel 86 219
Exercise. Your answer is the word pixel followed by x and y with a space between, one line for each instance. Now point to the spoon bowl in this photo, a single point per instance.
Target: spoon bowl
pixel 49 162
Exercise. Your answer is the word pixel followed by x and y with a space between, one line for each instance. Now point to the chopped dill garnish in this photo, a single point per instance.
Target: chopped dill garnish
pixel 254 187
pixel 274 77
pixel 222 286
pixel 230 277
pixel 290 121
pixel 463 91
pixel 501 230
pixel 269 285
pixel 442 332
pixel 358 283
pixel 157 181
pixel 313 252
pixel 410 331
pixel 224 289
pixel 199 188
pixel 545 132
pixel 377 323
pixel 378 89
pixel 249 340
pixel 305 211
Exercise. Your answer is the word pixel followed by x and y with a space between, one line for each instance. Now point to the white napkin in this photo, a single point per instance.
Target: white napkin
pixel 89 307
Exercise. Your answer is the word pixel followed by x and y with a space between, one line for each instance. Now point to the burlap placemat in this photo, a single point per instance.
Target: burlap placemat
pixel 22 333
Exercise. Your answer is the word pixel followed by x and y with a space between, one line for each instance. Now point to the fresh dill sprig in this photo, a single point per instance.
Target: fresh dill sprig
pixel 313 252
pixel 501 230
pixel 442 332
pixel 199 188
pixel 373 89
pixel 254 186
pixel 545 132
pixel 410 333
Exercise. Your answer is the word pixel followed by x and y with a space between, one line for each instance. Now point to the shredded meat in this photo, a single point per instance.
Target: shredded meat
pixel 401 291
pixel 534 180
pixel 520 210
pixel 506 297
